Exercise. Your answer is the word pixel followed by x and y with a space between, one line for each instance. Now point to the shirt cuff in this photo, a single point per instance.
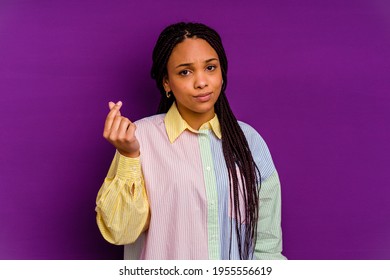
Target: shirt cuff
pixel 128 167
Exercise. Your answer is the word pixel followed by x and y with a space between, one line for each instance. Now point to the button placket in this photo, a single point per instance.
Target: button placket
pixel 211 194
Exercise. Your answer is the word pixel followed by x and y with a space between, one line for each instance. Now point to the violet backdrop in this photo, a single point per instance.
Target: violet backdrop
pixel 311 76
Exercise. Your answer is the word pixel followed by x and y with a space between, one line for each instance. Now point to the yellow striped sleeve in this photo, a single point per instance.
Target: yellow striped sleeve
pixel 122 206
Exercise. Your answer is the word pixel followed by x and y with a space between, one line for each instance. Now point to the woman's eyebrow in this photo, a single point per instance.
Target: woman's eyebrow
pixel 189 64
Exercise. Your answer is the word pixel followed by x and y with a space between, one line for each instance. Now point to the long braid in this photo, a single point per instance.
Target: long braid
pixel 236 152
pixel 234 144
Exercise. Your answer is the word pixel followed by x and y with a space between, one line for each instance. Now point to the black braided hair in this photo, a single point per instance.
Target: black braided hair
pixel 234 144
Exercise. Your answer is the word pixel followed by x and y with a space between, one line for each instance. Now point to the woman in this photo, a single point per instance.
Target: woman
pixel 191 182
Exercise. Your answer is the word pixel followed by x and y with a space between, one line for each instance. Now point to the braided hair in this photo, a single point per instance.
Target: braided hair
pixel 234 144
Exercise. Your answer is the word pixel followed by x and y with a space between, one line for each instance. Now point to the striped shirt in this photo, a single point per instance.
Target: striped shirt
pixel 173 201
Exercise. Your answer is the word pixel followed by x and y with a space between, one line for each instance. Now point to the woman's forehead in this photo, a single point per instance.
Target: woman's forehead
pixel 192 50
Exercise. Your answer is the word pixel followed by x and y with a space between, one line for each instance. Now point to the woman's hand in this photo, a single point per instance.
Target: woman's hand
pixel 120 131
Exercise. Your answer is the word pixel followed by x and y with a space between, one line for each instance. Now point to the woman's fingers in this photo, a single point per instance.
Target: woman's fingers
pixel 124 138
pixel 114 112
pixel 132 141
pixel 122 129
pixel 130 132
pixel 111 105
pixel 114 130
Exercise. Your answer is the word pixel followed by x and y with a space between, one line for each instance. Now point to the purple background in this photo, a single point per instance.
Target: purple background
pixel 311 76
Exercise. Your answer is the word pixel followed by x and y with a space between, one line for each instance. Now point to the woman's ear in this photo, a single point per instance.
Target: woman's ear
pixel 166 85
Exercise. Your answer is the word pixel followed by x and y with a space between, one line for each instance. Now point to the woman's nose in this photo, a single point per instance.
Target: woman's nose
pixel 200 80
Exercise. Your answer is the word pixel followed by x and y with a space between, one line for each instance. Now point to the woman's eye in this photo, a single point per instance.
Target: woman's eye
pixel 184 72
pixel 211 67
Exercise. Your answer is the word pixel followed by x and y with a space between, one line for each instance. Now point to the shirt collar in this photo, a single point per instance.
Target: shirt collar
pixel 175 124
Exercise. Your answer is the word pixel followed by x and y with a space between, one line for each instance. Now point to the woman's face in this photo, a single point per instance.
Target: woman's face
pixel 195 78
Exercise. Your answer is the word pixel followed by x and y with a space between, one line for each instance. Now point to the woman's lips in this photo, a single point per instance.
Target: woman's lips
pixel 204 97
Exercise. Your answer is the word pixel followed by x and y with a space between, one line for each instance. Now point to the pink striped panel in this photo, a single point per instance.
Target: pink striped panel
pixel 177 193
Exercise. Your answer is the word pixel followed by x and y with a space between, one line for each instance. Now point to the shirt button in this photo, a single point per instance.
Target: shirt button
pixel 208 168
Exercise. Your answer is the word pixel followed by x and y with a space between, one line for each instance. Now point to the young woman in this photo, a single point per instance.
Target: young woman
pixel 191 182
